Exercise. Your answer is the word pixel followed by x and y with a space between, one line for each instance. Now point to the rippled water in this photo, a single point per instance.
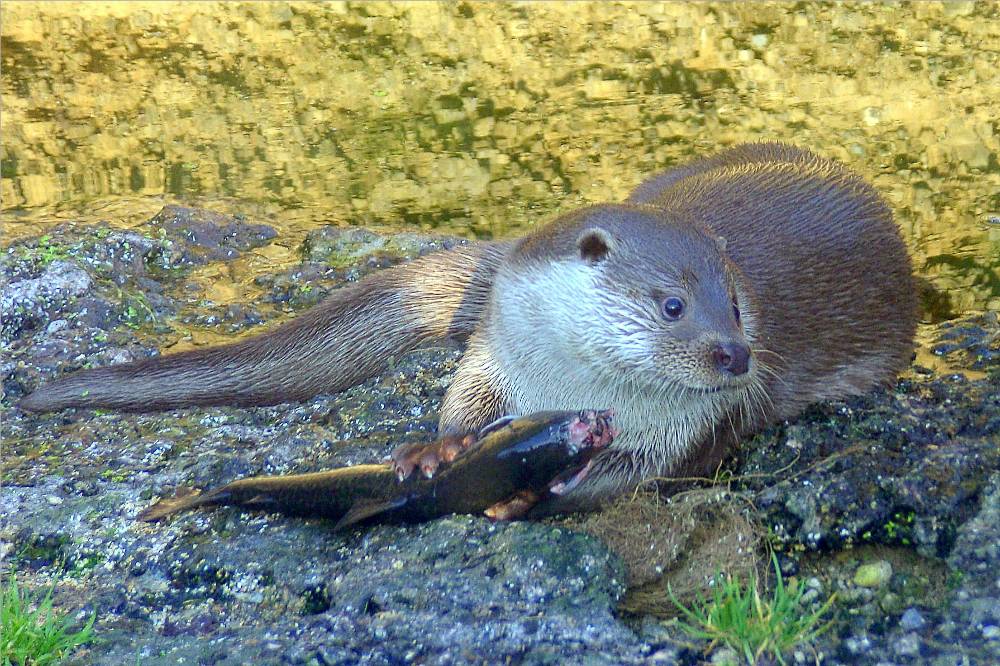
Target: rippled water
pixel 485 119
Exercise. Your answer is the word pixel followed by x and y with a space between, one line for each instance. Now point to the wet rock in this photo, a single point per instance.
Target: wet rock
pixel 975 341
pixel 912 471
pixel 102 284
pixel 207 235
pixel 500 588
pixel 975 563
pixel 339 247
pixel 901 467
pixel 26 303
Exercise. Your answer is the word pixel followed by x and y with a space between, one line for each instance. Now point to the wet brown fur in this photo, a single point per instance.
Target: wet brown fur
pixel 830 274
pixel 807 247
pixel 327 349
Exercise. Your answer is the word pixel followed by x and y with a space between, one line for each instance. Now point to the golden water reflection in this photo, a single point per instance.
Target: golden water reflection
pixel 484 119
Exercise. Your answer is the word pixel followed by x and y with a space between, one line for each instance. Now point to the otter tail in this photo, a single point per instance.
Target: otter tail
pixel 343 340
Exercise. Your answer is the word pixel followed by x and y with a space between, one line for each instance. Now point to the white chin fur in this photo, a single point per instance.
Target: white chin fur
pixel 562 303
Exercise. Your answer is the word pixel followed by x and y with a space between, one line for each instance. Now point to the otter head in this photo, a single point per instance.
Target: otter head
pixel 671 306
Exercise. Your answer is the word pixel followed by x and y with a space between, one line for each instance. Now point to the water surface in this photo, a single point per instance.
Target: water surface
pixel 485 119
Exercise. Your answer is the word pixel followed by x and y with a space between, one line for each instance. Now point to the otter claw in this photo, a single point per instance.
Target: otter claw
pixel 428 457
pixel 404 459
pixel 429 462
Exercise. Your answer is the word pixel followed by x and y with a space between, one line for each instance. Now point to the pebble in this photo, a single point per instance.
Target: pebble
pixel 908 645
pixel 991 632
pixel 890 603
pixel 858 644
pixel 947 629
pixel 725 656
pixel 873 575
pixel 663 656
pixel 912 620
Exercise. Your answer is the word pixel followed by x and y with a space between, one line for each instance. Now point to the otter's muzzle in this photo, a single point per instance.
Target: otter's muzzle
pixel 731 358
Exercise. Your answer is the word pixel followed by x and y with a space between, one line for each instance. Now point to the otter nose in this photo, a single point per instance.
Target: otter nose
pixel 731 357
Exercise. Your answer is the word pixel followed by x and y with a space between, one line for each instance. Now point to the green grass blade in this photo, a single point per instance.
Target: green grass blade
pixel 737 615
pixel 38 637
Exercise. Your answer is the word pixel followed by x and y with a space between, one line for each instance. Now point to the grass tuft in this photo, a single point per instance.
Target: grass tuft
pixel 738 616
pixel 35 637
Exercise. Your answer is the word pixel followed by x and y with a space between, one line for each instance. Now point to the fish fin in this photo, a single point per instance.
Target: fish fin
pixel 570 479
pixel 259 501
pixel 185 498
pixel 364 509
pixel 495 425
pixel 513 507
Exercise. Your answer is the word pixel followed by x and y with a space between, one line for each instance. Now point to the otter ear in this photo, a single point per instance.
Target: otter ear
pixel 594 245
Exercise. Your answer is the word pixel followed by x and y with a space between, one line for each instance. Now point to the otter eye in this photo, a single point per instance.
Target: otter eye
pixel 736 312
pixel 673 308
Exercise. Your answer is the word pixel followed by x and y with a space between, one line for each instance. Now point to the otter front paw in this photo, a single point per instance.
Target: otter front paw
pixel 428 457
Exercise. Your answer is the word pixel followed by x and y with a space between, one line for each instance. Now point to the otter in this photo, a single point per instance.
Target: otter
pixel 720 297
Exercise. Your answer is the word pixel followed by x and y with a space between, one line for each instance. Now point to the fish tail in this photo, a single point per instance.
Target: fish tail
pixel 185 499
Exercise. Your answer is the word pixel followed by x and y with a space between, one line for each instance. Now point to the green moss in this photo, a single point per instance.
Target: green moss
pixel 44 549
pixel 136 309
pixel 899 528
pixel 954 580
pixel 44 252
pixel 84 564
pixel 115 475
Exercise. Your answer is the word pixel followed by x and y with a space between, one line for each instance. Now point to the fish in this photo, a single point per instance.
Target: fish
pixel 514 464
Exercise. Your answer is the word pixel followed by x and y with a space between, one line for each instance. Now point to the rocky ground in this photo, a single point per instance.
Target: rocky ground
pixel 889 500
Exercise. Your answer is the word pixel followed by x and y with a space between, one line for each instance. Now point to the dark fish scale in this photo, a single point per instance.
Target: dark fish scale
pixel 525 454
